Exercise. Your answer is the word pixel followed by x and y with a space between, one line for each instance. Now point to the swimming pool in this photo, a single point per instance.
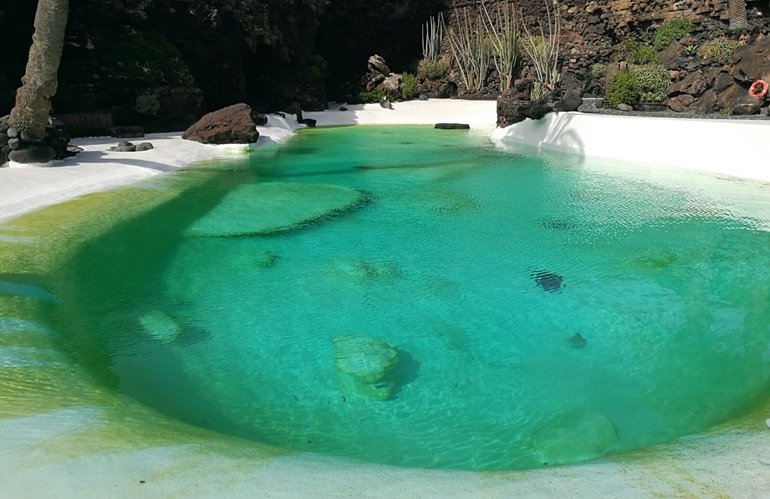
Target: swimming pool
pixel 516 312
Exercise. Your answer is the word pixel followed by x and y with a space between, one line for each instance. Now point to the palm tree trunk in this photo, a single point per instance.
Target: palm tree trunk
pixel 737 12
pixel 39 84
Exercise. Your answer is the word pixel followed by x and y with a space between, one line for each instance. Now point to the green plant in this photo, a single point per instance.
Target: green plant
pixel 719 49
pixel 634 51
pixel 652 80
pixel 726 111
pixel 598 70
pixel 690 50
pixel 671 30
pixel 433 70
pixel 622 88
pixel 408 85
pixel 370 96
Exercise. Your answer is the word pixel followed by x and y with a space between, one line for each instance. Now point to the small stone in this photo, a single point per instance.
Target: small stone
pixel 119 148
pixel 343 108
pixel 746 109
pixel 124 143
pixel 34 153
pixel 145 146
pixel 423 97
pixel 12 132
pixel 3 139
pixel 14 143
pixel 625 107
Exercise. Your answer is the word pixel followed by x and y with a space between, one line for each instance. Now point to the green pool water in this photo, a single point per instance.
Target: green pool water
pixel 521 312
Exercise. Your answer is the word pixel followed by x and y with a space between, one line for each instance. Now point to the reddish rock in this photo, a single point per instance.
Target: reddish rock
pixel 693 84
pixel 753 61
pixel 236 124
pixel 680 103
pixel 707 103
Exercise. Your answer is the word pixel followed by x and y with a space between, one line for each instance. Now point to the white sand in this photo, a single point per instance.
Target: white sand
pixel 727 462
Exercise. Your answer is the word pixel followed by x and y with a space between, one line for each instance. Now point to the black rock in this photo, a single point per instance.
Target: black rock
pixel 3 139
pixel 14 143
pixel 12 132
pixel 452 126
pixel 33 153
pixel 144 146
pixel 260 119
pixel 343 108
pixel 123 148
pixel 423 97
pixel 570 102
pixel 549 281
pixel 124 143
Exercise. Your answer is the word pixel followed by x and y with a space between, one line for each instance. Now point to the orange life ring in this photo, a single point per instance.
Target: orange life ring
pixel 755 90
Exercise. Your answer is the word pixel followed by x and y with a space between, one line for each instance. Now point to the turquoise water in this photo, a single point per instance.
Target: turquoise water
pixel 540 314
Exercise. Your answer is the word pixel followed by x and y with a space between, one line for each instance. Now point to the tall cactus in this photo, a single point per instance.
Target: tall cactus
pixel 432 37
pixel 737 12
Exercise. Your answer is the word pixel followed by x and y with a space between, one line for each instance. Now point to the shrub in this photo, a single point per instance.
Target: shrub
pixel 633 51
pixel 598 70
pixel 375 95
pixel 652 81
pixel 433 70
pixel 671 30
pixel 622 88
pixel 719 49
pixel 408 85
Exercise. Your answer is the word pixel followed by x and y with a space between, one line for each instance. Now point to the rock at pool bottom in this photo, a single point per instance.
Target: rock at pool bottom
pixel 369 363
pixel 549 281
pixel 270 207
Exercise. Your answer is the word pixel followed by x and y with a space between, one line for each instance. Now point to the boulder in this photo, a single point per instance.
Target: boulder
pixel 376 64
pixel 32 153
pixel 510 111
pixel 680 103
pixel 571 101
pixel 693 84
pixel 753 61
pixel 236 124
pixel 369 362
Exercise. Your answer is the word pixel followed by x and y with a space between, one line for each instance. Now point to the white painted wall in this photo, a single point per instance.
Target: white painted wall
pixel 739 148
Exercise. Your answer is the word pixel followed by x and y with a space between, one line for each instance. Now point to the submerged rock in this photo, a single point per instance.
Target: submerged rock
pixel 549 281
pixel 574 435
pixel 160 326
pixel 369 362
pixel 274 207
pixel 577 341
